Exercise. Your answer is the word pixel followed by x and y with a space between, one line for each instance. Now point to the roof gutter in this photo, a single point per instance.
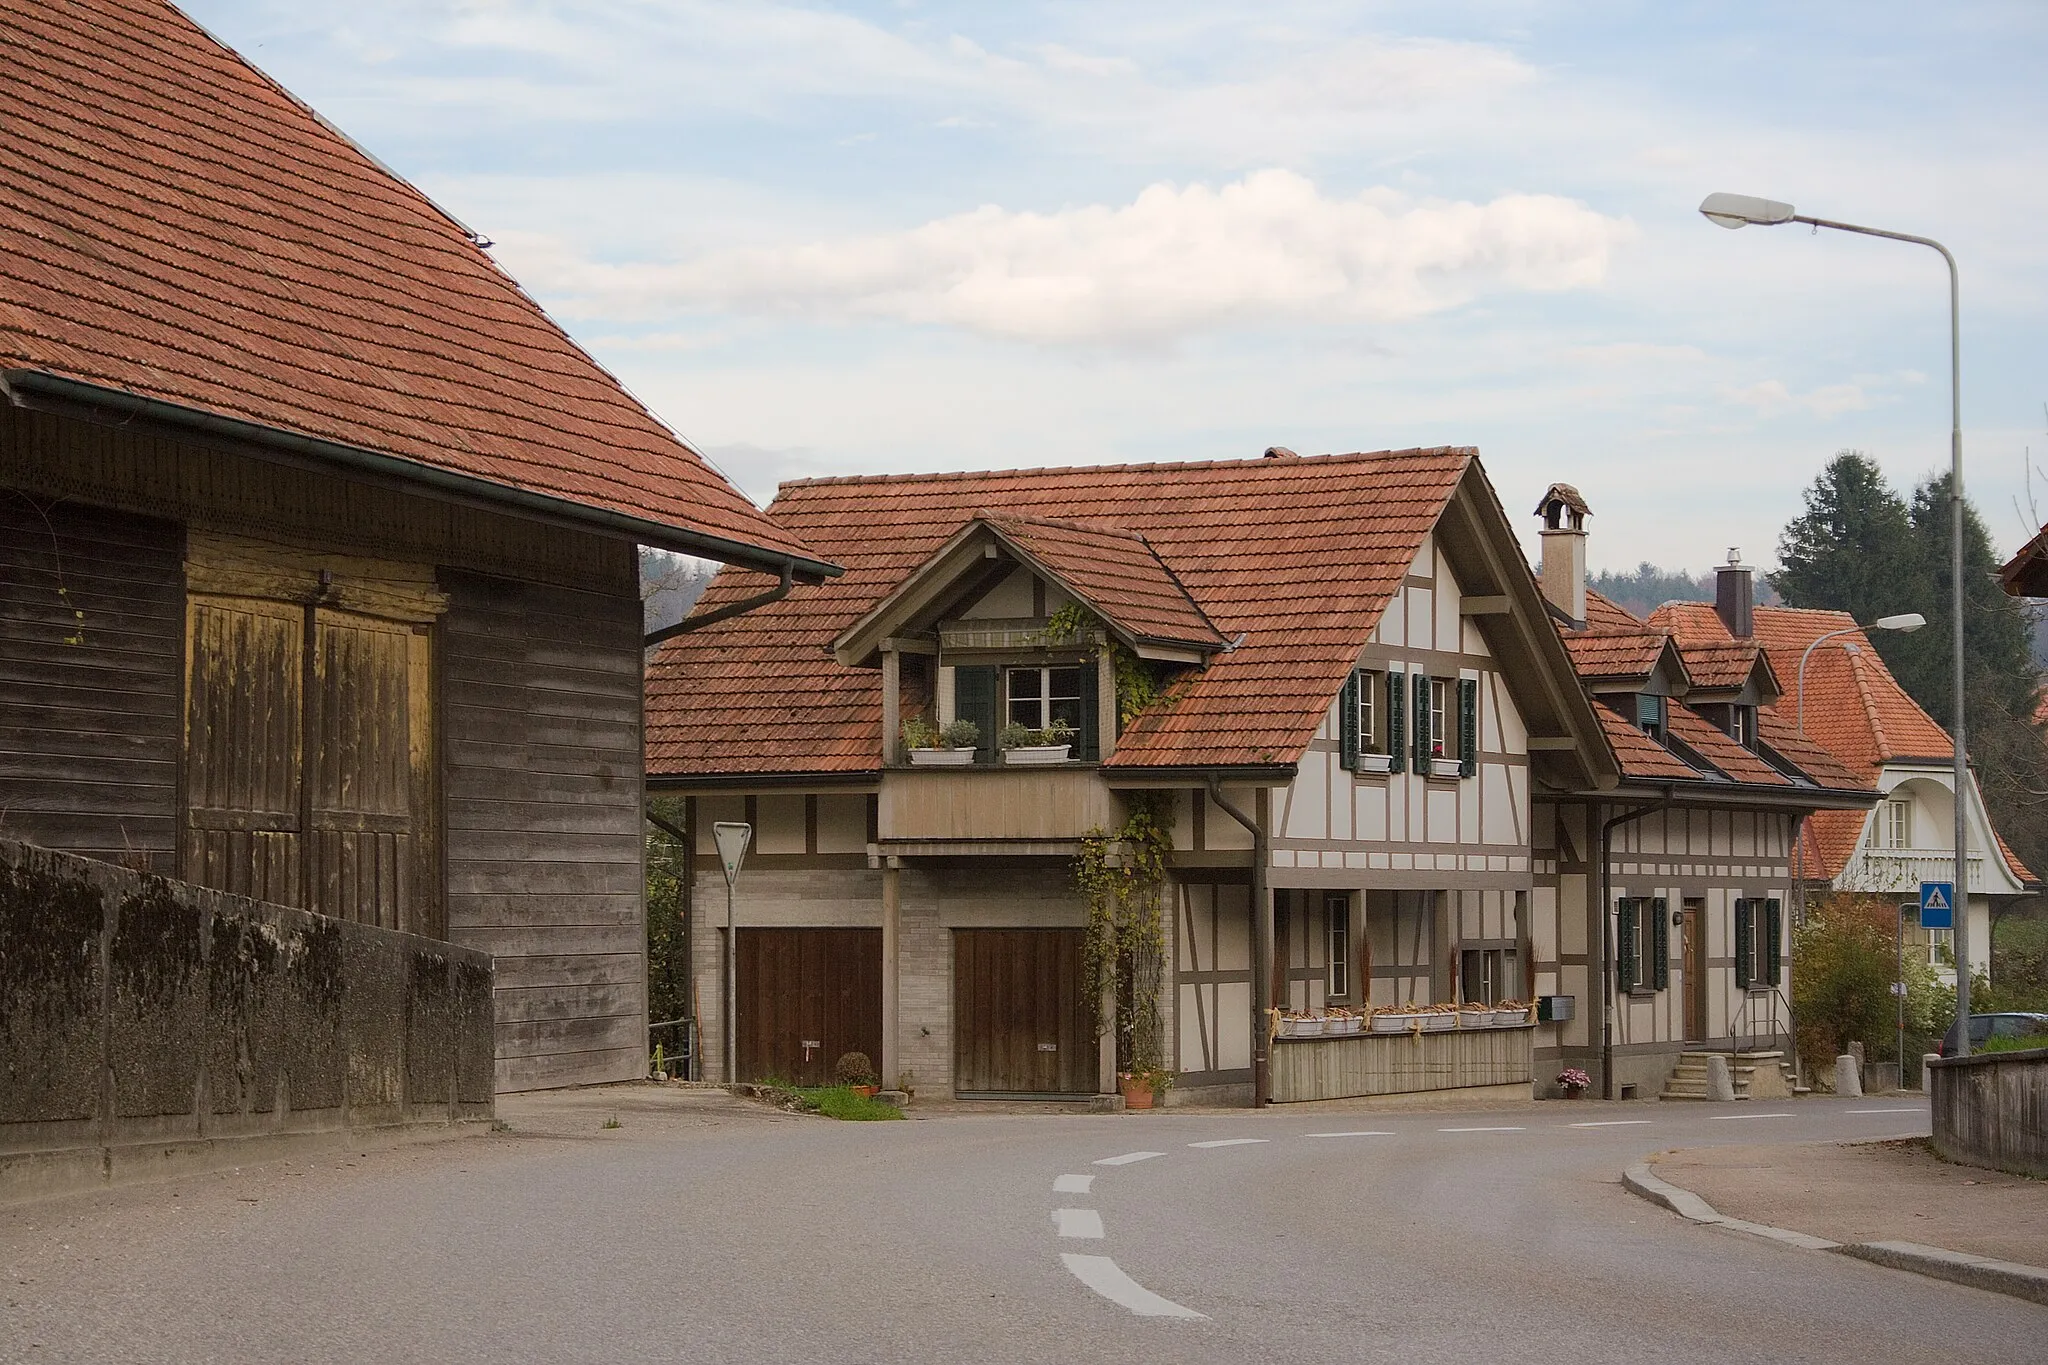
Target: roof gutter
pixel 1262 950
pixel 726 612
pixel 42 391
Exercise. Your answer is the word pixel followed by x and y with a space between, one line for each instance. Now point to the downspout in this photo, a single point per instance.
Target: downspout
pixel 727 612
pixel 1262 951
pixel 1607 993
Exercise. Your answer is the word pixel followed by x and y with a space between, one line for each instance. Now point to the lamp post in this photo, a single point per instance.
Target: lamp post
pixel 1742 210
pixel 1906 623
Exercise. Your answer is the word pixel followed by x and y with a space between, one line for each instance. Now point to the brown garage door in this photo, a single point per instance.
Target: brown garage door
pixel 1020 1026
pixel 806 996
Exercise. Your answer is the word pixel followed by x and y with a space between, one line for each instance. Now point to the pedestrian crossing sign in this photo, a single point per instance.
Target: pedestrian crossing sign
pixel 1937 905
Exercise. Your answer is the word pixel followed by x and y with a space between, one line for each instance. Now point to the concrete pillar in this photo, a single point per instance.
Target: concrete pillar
pixel 1720 1081
pixel 892 942
pixel 1927 1070
pixel 1848 1077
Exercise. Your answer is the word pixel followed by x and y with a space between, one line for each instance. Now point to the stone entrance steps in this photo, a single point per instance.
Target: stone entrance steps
pixel 1689 1081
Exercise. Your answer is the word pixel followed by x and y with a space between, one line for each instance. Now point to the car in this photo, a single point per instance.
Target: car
pixel 1985 1027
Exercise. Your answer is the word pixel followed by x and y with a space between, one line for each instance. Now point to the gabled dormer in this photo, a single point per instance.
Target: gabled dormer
pixel 1732 681
pixel 1027 623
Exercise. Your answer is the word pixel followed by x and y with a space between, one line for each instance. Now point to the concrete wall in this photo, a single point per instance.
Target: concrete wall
pixel 1991 1109
pixel 147 1023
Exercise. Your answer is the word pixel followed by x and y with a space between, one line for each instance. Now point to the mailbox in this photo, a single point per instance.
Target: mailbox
pixel 1556 1009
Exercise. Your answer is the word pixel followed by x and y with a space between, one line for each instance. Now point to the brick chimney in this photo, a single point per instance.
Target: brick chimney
pixel 1563 574
pixel 1734 596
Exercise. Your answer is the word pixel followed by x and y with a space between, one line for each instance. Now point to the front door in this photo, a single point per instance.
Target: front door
pixel 806 997
pixel 1695 967
pixel 1020 1024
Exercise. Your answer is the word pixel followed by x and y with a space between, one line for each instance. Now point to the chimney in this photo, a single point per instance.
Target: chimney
pixel 1563 574
pixel 1734 598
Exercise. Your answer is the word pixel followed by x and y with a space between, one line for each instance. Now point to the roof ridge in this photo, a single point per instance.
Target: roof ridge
pixel 1256 462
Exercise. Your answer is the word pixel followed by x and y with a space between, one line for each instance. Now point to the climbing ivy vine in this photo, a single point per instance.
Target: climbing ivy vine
pixel 1120 874
pixel 1138 684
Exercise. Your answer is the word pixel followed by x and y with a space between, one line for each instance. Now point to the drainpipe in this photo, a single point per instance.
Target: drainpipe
pixel 1607 998
pixel 1262 951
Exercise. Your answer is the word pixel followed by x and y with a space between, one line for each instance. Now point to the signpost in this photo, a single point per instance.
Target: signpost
pixel 1937 905
pixel 733 836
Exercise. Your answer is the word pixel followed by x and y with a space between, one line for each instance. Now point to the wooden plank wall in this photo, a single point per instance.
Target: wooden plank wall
pixel 541 695
pixel 89 706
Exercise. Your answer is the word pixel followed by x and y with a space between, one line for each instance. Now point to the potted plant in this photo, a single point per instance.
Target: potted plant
pixel 1574 1082
pixel 855 1070
pixel 947 746
pixel 1023 745
pixel 1141 1084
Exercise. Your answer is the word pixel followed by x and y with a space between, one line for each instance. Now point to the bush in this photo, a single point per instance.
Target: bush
pixel 1844 960
pixel 960 734
pixel 854 1068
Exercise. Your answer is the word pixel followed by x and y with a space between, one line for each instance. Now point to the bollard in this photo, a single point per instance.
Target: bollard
pixel 1720 1082
pixel 1848 1077
pixel 1926 1071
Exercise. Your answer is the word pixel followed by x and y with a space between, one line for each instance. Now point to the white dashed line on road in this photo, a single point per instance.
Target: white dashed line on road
pixel 1229 1142
pixel 1106 1278
pixel 1127 1158
pixel 1914 1110
pixel 1374 1132
pixel 1751 1116
pixel 1072 1184
pixel 1481 1130
pixel 1610 1123
pixel 1085 1223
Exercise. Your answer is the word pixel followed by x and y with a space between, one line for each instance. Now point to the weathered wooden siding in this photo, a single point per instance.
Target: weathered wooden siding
pixel 89 703
pixel 541 693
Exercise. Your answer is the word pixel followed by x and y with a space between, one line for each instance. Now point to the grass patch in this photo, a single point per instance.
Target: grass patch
pixel 2011 1044
pixel 841 1102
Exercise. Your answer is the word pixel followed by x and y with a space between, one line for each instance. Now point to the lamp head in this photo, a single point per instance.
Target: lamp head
pixel 1740 210
pixel 1907 622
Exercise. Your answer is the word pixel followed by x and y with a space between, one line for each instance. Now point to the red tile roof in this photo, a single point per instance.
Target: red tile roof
pixel 176 227
pixel 1612 655
pixel 1639 755
pixel 1603 613
pixel 1299 555
pixel 1115 573
pixel 1720 665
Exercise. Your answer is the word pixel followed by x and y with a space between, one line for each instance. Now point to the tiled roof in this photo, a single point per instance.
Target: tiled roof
pixel 1777 732
pixel 176 227
pixel 1114 572
pixel 2026 573
pixel 1299 555
pixel 2012 860
pixel 1603 613
pixel 1719 665
pixel 1641 756
pixel 1829 841
pixel 1603 655
pixel 1714 745
pixel 1854 707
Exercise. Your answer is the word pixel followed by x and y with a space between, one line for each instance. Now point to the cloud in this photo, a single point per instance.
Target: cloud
pixel 1771 397
pixel 1268 248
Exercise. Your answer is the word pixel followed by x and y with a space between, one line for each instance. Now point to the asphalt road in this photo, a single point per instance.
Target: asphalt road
pixel 716 1232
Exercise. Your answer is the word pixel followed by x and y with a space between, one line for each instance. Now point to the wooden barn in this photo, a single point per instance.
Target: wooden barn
pixel 318 568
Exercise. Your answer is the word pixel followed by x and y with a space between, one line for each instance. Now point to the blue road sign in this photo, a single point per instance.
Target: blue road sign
pixel 1937 905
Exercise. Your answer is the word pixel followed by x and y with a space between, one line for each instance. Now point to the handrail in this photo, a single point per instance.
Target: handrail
pixel 1773 996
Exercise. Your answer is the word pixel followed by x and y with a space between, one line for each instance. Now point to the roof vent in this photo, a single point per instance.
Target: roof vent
pixel 1280 453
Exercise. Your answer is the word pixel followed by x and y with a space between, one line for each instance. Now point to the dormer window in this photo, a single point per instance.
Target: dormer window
pixel 1651 715
pixel 1040 698
pixel 1742 725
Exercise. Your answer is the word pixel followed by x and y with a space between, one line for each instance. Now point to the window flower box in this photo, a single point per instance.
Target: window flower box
pixel 1394 1021
pixel 1300 1026
pixel 1446 767
pixel 1376 763
pixel 1030 755
pixel 941 758
pixel 1475 1017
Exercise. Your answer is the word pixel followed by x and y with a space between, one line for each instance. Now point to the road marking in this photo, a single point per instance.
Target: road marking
pixel 1609 1123
pixel 1127 1158
pixel 1913 1110
pixel 1751 1116
pixel 1079 1223
pixel 1072 1184
pixel 1374 1132
pixel 1106 1278
pixel 1229 1142
pixel 1480 1130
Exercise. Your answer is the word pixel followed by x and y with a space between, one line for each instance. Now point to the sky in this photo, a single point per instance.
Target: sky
pixel 905 236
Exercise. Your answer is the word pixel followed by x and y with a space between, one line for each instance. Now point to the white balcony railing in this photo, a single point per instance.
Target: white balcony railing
pixel 1903 869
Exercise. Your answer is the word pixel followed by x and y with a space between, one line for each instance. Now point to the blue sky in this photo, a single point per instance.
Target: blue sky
pixel 911 236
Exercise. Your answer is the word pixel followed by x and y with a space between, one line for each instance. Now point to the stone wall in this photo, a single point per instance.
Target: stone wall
pixel 1991 1109
pixel 151 1023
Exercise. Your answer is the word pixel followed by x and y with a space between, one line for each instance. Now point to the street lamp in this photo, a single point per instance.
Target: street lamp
pixel 1905 623
pixel 1742 210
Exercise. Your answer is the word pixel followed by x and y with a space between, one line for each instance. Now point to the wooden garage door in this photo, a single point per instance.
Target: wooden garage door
pixel 1020 1026
pixel 806 996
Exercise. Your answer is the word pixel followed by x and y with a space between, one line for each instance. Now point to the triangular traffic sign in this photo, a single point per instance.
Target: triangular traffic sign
pixel 1936 897
pixel 733 837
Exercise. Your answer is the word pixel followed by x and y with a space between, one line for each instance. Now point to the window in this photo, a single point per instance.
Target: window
pixel 1759 930
pixel 1442 738
pixel 1337 911
pixel 1041 697
pixel 1742 725
pixel 1642 934
pixel 1896 815
pixel 1369 683
pixel 1371 715
pixel 1488 976
pixel 1650 715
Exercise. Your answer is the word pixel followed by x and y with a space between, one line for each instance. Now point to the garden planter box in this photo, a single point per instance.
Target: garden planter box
pixel 1475 1018
pixel 1375 763
pixel 1446 767
pixel 1393 1023
pixel 941 758
pixel 1437 1023
pixel 1037 754
pixel 1301 1028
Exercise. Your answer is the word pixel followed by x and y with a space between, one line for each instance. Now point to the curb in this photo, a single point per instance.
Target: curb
pixel 1979 1272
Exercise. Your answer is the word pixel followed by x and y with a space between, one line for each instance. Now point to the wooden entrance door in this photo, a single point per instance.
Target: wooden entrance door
pixel 1695 968
pixel 1020 1024
pixel 805 997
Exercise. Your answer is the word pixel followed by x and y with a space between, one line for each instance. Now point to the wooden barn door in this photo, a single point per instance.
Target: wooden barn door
pixel 805 997
pixel 244 730
pixel 1020 1024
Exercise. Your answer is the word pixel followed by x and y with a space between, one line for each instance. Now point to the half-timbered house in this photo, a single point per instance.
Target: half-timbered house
pixel 317 537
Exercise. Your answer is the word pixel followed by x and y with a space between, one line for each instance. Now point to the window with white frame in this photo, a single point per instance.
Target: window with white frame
pixel 1443 712
pixel 1372 730
pixel 1337 914
pixel 1897 815
pixel 1042 697
pixel 1488 976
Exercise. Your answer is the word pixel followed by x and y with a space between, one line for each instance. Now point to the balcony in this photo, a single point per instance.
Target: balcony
pixel 992 810
pixel 1903 869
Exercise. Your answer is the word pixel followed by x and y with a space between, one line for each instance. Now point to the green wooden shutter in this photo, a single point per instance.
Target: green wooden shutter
pixel 1468 727
pixel 1744 972
pixel 1397 724
pixel 1660 944
pixel 1422 735
pixel 1347 725
pixel 1773 952
pixel 1625 950
pixel 1089 747
pixel 974 698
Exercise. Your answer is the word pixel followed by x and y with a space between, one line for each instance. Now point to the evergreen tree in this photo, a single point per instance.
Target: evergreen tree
pixel 1853 548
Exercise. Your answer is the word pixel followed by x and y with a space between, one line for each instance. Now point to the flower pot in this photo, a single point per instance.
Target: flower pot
pixel 1037 754
pixel 866 1092
pixel 1446 767
pixel 1137 1093
pixel 1575 1092
pixel 941 758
